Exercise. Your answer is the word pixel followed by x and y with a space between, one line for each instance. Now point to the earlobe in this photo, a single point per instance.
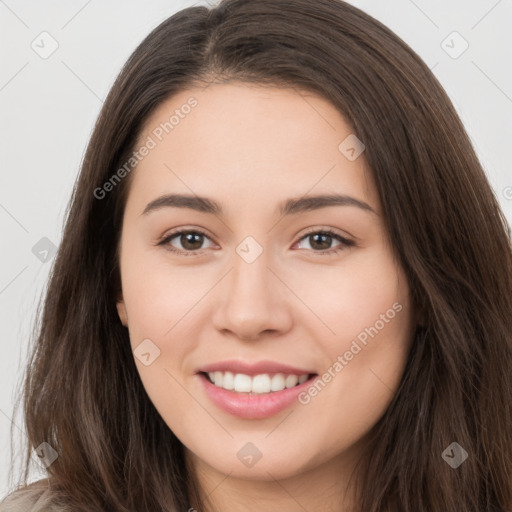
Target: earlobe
pixel 121 311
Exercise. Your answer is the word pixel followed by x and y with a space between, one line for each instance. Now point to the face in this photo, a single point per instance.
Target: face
pixel 295 307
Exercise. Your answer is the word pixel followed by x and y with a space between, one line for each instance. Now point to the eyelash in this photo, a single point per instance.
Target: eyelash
pixel 345 242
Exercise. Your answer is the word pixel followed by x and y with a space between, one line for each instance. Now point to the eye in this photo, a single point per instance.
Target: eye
pixel 321 240
pixel 189 240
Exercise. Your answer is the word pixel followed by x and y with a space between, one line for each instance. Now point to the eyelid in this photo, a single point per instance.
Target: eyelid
pixel 181 230
pixel 327 229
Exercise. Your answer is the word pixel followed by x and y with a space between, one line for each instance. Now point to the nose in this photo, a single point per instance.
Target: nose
pixel 253 303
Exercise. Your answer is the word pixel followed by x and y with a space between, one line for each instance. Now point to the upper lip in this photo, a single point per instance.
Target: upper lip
pixel 252 369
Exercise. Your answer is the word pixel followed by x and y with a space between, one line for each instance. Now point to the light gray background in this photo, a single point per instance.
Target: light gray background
pixel 48 107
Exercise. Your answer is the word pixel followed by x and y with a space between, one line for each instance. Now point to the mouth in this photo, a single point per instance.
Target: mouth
pixel 257 396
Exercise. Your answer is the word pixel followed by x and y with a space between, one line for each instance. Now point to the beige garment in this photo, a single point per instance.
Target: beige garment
pixel 36 497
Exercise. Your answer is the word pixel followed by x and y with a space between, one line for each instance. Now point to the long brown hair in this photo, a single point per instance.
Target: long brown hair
pixel 82 392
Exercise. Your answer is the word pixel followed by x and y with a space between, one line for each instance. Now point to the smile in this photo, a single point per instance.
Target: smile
pixel 258 384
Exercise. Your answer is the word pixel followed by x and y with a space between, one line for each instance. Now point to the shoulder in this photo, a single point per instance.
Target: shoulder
pixel 35 497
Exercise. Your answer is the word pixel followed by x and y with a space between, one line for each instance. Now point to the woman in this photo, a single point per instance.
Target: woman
pixel 284 283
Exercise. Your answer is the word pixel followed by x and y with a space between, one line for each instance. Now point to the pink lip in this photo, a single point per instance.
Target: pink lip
pixel 249 405
pixel 270 367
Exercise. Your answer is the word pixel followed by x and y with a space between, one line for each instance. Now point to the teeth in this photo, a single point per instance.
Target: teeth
pixel 218 378
pixel 243 383
pixel 278 382
pixel 291 380
pixel 262 383
pixel 229 381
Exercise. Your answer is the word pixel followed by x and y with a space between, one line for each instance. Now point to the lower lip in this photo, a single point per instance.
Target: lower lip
pixel 252 406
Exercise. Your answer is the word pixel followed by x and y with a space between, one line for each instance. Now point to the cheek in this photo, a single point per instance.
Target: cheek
pixel 158 296
pixel 367 290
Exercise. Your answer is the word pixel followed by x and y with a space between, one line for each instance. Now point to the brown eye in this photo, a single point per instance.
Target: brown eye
pixel 321 242
pixel 189 241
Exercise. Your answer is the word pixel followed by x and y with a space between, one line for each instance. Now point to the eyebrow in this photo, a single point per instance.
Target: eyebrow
pixel 288 207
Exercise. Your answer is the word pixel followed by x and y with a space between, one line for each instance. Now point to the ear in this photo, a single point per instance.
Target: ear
pixel 121 311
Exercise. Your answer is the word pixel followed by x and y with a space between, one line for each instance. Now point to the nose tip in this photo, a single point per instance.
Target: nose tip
pixel 248 327
pixel 251 306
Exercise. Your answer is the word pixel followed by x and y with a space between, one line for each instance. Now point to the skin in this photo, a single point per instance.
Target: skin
pixel 249 148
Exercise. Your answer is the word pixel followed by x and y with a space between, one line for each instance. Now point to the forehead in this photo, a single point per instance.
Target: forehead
pixel 244 142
